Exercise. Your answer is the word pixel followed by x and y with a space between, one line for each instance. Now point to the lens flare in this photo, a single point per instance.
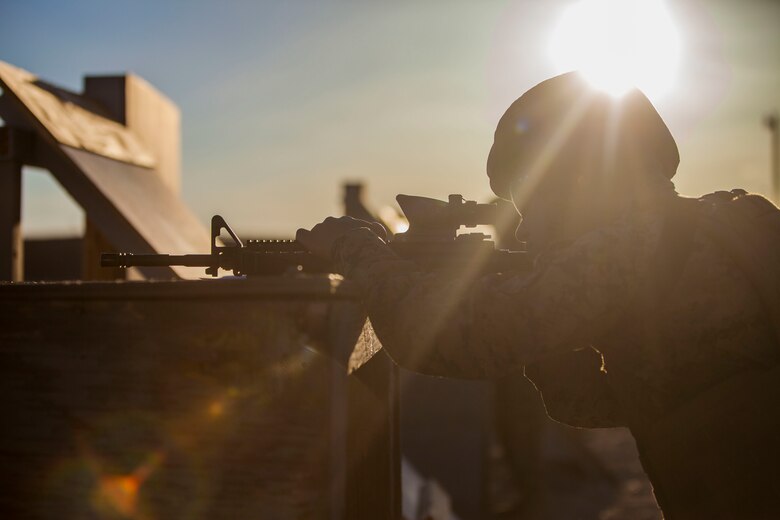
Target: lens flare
pixel 619 44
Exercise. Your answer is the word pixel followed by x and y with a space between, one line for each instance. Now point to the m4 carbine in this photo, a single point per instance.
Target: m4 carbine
pixel 432 242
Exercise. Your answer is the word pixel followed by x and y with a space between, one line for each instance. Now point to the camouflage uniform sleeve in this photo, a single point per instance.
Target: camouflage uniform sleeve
pixel 488 326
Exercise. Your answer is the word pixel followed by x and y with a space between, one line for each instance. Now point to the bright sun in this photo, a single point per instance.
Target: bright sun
pixel 618 44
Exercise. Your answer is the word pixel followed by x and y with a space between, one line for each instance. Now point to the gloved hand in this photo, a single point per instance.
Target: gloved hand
pixel 321 239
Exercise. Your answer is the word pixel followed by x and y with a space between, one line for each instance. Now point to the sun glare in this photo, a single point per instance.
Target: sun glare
pixel 619 44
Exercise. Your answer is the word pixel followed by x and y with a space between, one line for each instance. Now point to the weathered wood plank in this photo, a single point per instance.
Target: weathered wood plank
pixel 149 114
pixel 156 213
pixel 73 120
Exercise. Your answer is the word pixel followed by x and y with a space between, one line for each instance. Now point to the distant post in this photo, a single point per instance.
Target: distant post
pixel 11 253
pixel 773 122
pixel 11 244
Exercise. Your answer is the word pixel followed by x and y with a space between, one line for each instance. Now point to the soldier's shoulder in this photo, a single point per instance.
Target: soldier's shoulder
pixel 618 253
pixel 739 201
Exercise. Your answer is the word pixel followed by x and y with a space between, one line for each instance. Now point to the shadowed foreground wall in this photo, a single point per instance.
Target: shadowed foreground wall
pixel 193 400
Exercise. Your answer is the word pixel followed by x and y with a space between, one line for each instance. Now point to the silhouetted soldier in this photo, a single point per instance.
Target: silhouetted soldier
pixel 644 308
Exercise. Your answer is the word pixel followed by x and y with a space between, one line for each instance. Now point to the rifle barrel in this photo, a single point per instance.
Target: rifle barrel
pixel 130 260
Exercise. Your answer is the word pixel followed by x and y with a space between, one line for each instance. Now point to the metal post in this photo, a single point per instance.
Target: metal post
pixel 773 123
pixel 11 245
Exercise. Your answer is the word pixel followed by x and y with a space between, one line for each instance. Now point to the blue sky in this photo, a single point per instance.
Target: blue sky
pixel 281 101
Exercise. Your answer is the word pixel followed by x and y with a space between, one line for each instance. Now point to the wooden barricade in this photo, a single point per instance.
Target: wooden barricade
pixel 261 398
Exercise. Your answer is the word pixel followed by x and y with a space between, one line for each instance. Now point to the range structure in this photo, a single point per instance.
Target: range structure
pixel 255 398
pixel 115 148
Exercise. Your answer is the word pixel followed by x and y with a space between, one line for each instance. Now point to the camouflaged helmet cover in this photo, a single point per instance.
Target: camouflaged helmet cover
pixel 537 115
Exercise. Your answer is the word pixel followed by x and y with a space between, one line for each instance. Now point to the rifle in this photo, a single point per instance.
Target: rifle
pixel 432 242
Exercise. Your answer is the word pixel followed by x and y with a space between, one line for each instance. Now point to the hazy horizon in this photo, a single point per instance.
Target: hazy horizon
pixel 282 102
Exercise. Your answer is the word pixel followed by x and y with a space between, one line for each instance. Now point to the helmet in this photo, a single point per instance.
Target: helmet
pixel 564 113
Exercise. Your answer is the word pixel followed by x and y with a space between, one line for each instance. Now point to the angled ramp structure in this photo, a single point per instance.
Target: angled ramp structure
pixel 113 148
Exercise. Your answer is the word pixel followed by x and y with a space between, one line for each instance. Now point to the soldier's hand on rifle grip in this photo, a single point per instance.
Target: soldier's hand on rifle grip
pixel 322 237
